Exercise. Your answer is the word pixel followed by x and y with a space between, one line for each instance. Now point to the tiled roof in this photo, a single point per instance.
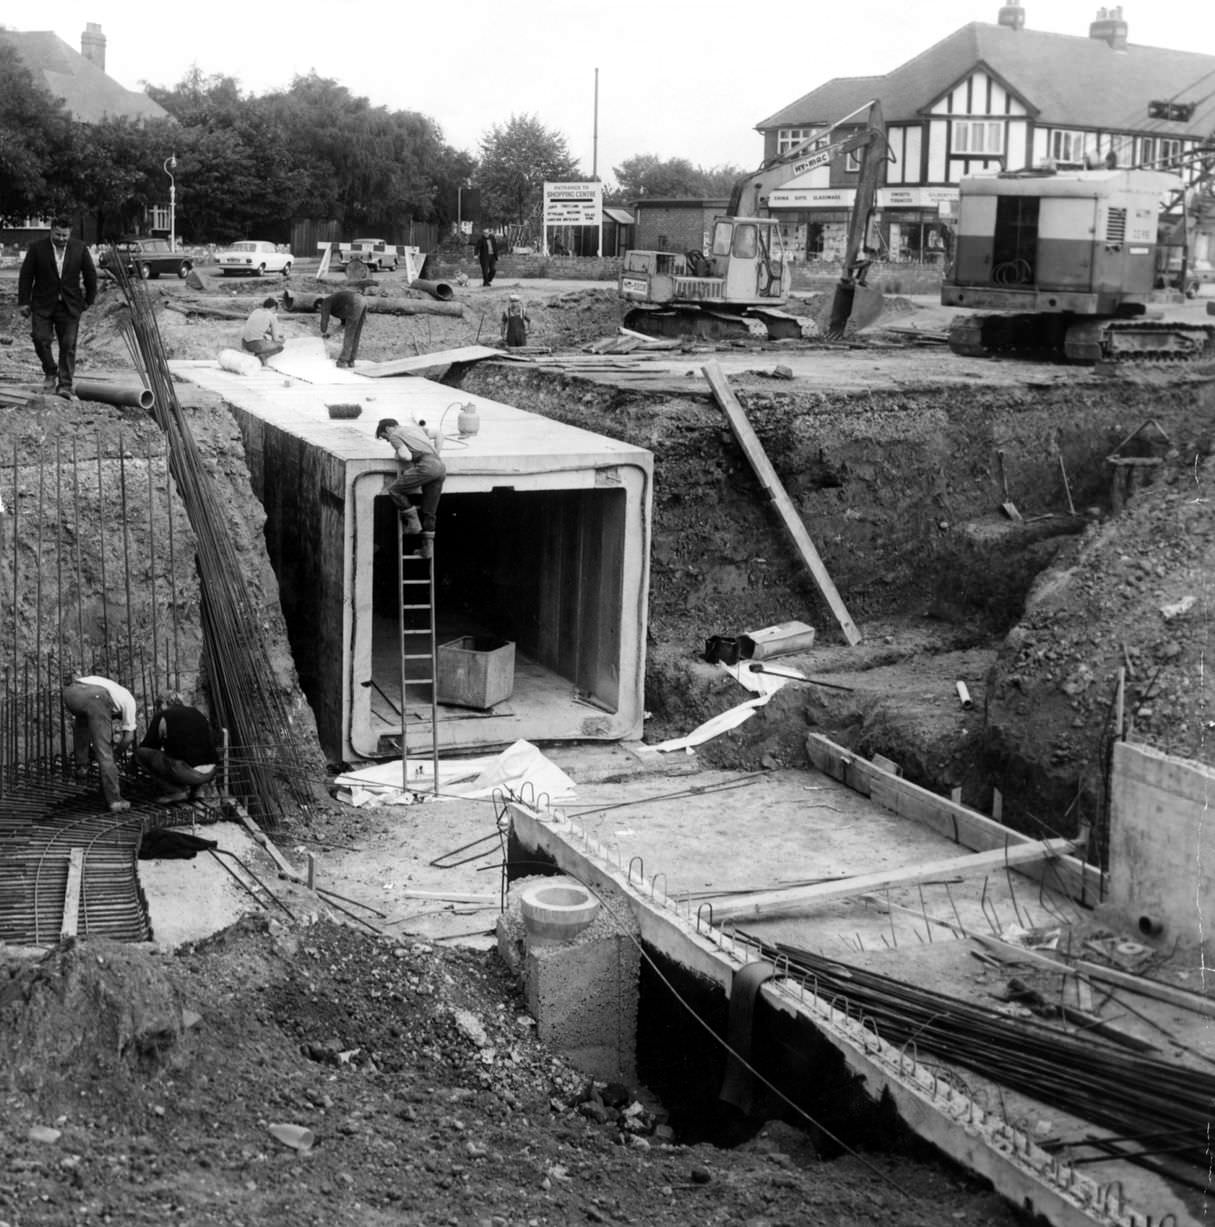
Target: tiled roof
pixel 1061 78
pixel 87 92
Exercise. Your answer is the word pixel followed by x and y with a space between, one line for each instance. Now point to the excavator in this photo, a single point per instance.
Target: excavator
pixel 1064 265
pixel 741 285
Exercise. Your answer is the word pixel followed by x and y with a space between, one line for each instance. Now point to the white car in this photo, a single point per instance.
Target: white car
pixel 254 256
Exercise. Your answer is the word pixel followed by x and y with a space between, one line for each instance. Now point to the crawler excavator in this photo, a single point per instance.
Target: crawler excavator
pixel 1064 264
pixel 739 287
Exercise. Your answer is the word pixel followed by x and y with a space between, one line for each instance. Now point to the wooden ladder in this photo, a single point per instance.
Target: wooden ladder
pixel 419 662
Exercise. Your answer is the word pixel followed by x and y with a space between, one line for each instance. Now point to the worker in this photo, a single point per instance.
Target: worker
pixel 421 474
pixel 350 308
pixel 261 334
pixel 486 248
pixel 56 285
pixel 95 703
pixel 514 323
pixel 861 265
pixel 179 750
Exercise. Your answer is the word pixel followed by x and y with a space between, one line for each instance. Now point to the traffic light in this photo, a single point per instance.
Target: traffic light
pixel 1175 112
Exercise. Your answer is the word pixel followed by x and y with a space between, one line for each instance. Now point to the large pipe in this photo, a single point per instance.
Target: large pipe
pixel 436 289
pixel 115 393
pixel 309 303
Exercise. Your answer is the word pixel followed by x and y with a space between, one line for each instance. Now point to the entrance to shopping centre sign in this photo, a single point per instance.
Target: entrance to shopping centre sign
pixel 573 204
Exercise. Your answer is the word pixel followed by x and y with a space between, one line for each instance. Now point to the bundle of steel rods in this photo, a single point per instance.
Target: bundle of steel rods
pixel 246 695
pixel 1126 1092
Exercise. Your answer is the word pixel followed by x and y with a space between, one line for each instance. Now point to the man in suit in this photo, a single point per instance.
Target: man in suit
pixel 486 249
pixel 58 281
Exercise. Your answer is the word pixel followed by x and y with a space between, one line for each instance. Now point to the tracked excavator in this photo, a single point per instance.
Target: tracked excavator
pixel 1065 265
pixel 740 286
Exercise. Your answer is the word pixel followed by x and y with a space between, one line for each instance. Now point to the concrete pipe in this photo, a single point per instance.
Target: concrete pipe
pixel 436 289
pixel 308 303
pixel 109 393
pixel 556 910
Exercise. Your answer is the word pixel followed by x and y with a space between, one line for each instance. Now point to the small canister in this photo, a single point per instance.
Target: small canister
pixel 468 423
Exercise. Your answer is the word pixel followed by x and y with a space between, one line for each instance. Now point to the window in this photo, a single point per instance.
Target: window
pixel 790 138
pixel 745 242
pixel 978 136
pixel 1067 146
pixel 1158 152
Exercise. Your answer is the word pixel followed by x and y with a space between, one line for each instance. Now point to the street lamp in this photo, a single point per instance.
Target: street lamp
pixel 170 166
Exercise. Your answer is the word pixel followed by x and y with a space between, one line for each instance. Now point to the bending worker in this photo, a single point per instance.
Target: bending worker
pixel 350 309
pixel 95 703
pixel 179 751
pixel 422 473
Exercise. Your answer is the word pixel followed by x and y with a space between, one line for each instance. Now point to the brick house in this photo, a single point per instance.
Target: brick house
pixel 988 97
pixel 79 80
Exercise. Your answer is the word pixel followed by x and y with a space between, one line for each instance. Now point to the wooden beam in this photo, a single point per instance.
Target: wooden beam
pixel 71 894
pixel 1186 998
pixel 775 490
pixel 769 903
pixel 965 826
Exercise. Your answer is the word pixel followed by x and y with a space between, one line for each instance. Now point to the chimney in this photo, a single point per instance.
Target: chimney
pixel 1110 28
pixel 92 44
pixel 1012 15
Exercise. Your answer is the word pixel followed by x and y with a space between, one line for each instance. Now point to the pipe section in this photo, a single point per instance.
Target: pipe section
pixel 436 289
pixel 114 392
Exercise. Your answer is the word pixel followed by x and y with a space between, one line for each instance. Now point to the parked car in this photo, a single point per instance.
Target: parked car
pixel 256 256
pixel 145 257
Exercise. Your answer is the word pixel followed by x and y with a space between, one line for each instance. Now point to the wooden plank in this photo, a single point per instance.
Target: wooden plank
pixel 965 826
pixel 422 362
pixel 775 490
pixel 769 903
pixel 71 894
pixel 1183 997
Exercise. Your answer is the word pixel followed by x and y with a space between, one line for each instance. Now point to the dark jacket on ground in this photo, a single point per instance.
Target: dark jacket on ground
pixel 40 286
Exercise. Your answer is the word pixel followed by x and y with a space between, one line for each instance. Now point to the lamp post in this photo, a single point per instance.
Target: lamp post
pixel 170 166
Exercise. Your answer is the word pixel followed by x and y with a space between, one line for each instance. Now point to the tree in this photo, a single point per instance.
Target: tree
pixel 645 175
pixel 37 145
pixel 517 159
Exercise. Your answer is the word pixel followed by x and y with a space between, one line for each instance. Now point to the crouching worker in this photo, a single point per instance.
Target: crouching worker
pixel 95 703
pixel 179 751
pixel 261 334
pixel 422 474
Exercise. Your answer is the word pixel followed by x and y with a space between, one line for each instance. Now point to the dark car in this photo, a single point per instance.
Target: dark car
pixel 146 258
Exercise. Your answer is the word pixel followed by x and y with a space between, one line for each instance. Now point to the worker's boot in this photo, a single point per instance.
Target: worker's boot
pixel 427 548
pixel 410 521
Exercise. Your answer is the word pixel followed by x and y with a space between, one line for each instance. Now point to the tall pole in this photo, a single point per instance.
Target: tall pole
pixel 595 167
pixel 595 134
pixel 170 166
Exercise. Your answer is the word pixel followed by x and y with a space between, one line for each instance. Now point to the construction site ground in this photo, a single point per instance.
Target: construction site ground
pixel 122 1108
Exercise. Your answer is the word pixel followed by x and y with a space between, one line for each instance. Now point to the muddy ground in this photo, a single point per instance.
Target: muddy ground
pixel 142 1087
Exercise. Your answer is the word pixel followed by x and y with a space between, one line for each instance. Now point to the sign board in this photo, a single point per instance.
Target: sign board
pixel 915 197
pixel 821 198
pixel 573 204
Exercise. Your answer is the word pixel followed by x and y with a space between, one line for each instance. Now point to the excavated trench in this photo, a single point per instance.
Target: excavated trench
pixel 903 494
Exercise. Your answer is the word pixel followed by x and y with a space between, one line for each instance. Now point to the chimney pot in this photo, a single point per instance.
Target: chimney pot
pixel 1012 15
pixel 92 44
pixel 1110 28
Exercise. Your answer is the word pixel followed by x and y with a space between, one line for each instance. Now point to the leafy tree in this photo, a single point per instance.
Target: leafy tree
pixel 517 159
pixel 645 175
pixel 37 145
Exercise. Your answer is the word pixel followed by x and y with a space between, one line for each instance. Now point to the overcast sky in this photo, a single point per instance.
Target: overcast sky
pixel 676 78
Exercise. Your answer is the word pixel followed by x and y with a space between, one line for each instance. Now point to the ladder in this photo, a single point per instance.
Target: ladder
pixel 419 659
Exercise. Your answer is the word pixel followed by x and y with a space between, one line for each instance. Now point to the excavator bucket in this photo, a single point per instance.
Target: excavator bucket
pixel 848 310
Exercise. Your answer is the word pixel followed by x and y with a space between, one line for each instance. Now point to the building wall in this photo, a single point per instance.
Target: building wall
pixel 1162 860
pixel 676 225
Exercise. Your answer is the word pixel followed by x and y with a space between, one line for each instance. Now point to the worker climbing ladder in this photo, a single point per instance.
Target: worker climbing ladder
pixel 419 660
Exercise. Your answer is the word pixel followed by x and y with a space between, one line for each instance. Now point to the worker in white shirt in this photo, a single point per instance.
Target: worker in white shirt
pixel 96 703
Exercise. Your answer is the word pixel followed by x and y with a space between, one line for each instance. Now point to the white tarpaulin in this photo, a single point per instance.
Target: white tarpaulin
pixel 520 770
pixel 763 684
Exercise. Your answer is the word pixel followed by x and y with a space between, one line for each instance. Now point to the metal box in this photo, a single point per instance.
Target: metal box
pixel 475 671
pixel 781 640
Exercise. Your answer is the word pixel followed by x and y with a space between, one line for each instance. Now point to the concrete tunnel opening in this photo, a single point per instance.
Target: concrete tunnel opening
pixel 541 571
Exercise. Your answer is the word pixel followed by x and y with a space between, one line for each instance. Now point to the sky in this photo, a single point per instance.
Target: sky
pixel 673 78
